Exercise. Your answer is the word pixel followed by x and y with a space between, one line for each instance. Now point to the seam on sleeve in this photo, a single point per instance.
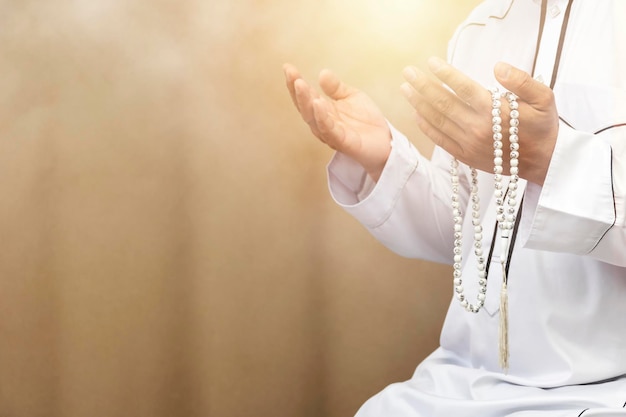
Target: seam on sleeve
pixel 389 210
pixel 614 207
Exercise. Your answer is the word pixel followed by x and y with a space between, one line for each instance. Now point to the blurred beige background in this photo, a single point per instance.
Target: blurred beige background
pixel 169 247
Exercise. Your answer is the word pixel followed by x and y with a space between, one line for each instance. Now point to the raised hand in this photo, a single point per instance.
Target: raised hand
pixel 455 112
pixel 345 119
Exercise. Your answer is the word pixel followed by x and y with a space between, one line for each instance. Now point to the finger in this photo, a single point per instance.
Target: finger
pixel 333 86
pixel 438 137
pixel 330 132
pixel 464 87
pixel 304 99
pixel 432 114
pixel 523 85
pixel 291 75
pixel 439 97
pixel 305 95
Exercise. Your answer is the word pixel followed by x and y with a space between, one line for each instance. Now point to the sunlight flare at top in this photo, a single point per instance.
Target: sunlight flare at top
pixel 394 8
pixel 391 20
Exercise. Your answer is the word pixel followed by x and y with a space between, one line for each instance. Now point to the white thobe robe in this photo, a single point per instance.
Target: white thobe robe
pixel 567 277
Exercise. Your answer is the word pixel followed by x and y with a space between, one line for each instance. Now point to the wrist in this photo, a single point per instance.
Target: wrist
pixel 374 166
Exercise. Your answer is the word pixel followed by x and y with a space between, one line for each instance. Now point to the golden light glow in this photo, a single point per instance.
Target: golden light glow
pixel 396 19
pixel 394 8
pixel 387 21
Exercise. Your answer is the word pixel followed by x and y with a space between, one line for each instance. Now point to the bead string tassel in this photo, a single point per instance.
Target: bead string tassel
pixel 504 325
pixel 503 330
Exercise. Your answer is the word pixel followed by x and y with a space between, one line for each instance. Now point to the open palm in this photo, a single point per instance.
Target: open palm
pixel 346 119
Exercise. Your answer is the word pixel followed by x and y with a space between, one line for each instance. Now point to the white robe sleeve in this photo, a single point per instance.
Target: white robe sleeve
pixel 408 209
pixel 581 207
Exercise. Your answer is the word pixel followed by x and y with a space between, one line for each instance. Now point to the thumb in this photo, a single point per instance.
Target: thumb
pixel 333 87
pixel 523 85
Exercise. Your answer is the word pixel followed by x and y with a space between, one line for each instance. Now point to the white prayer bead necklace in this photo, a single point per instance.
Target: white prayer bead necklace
pixel 458 240
pixel 505 216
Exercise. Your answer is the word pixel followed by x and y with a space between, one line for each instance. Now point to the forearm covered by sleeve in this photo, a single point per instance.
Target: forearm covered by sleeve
pixel 581 208
pixel 408 209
